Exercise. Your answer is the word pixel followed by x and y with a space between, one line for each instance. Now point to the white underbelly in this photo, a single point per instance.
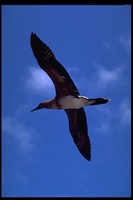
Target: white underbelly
pixel 71 102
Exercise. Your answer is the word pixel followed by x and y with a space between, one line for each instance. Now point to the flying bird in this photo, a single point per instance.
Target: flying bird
pixel 67 95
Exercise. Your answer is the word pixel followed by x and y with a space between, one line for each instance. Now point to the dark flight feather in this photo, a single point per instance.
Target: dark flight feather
pixel 47 61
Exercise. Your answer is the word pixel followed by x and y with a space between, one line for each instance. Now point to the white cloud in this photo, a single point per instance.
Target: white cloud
pixel 72 69
pixel 125 41
pixel 112 118
pixel 104 120
pixel 104 128
pixel 38 80
pixel 106 76
pixel 103 78
pixel 124 113
pixel 22 135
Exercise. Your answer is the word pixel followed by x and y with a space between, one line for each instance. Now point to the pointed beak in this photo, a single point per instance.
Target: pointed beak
pixel 35 109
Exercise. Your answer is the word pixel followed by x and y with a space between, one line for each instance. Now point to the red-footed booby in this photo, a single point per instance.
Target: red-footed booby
pixel 67 95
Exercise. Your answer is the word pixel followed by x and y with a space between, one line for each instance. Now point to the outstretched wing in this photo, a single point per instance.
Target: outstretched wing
pixel 79 131
pixel 47 61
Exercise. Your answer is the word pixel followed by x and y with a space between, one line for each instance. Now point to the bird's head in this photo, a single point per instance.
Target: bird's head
pixel 40 106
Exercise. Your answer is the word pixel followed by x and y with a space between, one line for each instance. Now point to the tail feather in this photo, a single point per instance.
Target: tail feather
pixel 98 101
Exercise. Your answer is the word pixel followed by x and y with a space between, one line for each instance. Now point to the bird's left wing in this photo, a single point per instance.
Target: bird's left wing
pixel 79 131
pixel 64 85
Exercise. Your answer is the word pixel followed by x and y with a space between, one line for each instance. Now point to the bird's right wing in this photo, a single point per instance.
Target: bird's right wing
pixel 64 85
pixel 79 131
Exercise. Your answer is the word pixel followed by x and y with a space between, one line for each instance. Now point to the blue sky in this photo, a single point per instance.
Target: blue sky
pixel 39 157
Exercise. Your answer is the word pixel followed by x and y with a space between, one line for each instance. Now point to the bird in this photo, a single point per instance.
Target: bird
pixel 67 95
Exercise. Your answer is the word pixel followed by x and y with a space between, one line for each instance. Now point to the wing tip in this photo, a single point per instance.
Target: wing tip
pixel 85 150
pixel 33 36
pixel 87 156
